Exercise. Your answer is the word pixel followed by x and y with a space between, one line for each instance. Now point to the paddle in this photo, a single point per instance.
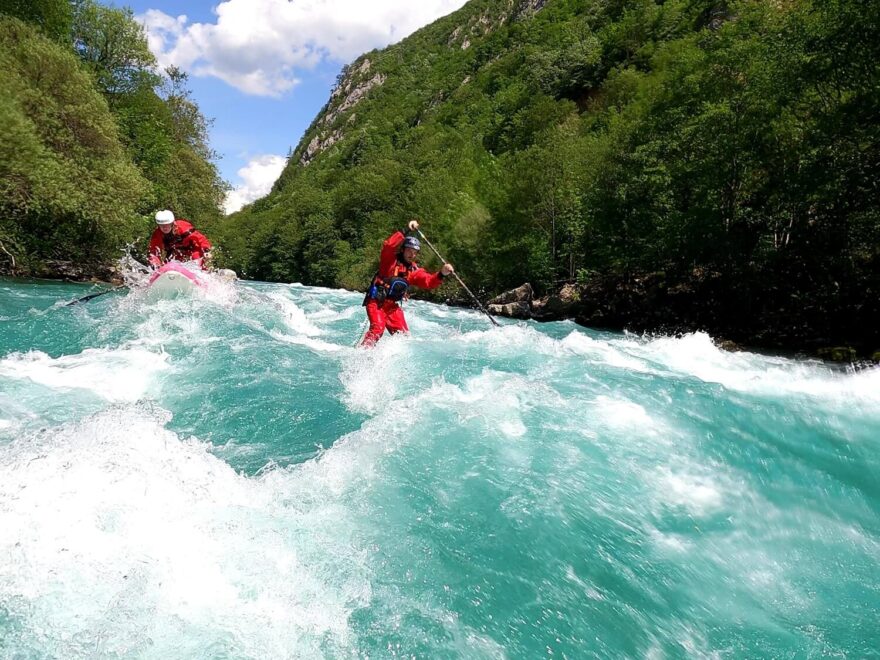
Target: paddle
pixel 92 296
pixel 133 262
pixel 463 285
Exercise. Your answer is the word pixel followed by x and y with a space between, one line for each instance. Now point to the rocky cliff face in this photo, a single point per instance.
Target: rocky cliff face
pixel 359 80
pixel 354 85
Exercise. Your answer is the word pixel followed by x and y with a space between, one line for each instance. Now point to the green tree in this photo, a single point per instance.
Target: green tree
pixel 190 181
pixel 114 46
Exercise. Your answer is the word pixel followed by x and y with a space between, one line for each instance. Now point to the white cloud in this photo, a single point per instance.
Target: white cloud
pixel 258 45
pixel 258 176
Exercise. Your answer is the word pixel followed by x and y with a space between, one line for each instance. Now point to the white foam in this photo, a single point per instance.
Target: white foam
pixel 673 543
pixel 121 538
pixel 513 428
pixel 169 322
pixel 325 313
pixel 294 317
pixel 696 355
pixel 580 344
pixel 624 414
pixel 355 460
pixel 218 289
pixel 514 338
pixel 700 494
pixel 314 344
pixel 373 377
pixel 115 374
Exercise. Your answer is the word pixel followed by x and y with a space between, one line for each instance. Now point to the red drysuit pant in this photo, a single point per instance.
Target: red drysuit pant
pixel 386 316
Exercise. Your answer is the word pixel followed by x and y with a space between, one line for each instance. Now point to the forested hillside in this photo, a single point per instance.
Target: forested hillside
pixel 92 138
pixel 710 163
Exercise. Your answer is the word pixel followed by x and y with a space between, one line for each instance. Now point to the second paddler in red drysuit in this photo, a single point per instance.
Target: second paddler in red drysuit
pixel 176 239
pixel 398 270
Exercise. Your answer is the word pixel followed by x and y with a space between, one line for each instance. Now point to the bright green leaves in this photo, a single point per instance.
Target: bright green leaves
pixel 62 168
pixel 114 46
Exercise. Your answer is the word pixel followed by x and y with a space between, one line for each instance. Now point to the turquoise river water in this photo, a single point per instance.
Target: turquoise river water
pixel 226 477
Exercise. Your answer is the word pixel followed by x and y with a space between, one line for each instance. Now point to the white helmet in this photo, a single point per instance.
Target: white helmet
pixel 165 217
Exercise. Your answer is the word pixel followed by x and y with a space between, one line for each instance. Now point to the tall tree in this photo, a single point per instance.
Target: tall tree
pixel 114 46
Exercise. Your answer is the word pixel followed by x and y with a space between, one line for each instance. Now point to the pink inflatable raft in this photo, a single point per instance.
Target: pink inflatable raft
pixel 172 280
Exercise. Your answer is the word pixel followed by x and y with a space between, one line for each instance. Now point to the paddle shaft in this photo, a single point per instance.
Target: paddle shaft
pixel 463 285
pixel 95 295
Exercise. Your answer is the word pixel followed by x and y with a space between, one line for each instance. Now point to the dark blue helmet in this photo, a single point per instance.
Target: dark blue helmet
pixel 412 242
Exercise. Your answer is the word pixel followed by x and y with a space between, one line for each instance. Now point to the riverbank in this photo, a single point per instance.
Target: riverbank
pixel 829 327
pixel 65 271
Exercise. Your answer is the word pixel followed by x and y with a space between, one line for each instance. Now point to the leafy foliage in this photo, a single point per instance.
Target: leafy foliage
pixel 52 17
pixel 66 183
pixel 93 139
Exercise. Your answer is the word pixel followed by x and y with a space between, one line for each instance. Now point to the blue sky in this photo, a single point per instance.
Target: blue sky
pixel 262 69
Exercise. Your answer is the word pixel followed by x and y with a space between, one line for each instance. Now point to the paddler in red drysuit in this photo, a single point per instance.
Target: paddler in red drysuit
pixel 178 240
pixel 398 270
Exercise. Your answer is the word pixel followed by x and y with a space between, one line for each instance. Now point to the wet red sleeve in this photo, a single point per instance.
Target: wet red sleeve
pixel 424 280
pixel 156 246
pixel 389 253
pixel 199 242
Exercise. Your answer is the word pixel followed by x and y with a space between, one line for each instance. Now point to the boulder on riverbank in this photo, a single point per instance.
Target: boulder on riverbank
pixel 559 304
pixel 838 354
pixel 55 269
pixel 514 304
pixel 513 310
pixel 729 346
pixel 520 295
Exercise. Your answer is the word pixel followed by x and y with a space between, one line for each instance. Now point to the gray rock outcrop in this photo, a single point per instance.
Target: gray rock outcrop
pixel 513 310
pixel 521 294
pixel 557 304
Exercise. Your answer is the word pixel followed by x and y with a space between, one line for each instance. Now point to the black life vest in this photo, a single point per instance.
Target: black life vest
pixel 394 286
pixel 173 241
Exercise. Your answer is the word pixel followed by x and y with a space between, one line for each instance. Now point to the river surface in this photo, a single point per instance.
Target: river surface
pixel 227 477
